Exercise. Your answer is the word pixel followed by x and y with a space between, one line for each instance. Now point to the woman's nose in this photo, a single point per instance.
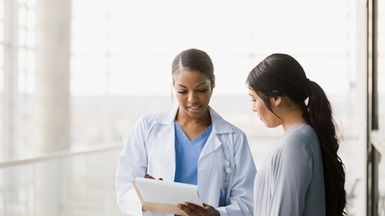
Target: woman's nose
pixel 254 108
pixel 192 98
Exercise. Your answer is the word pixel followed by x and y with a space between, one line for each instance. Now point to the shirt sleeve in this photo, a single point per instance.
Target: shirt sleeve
pixel 241 189
pixel 132 163
pixel 292 175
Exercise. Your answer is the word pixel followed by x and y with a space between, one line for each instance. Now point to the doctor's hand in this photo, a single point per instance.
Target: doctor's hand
pixel 192 209
pixel 150 177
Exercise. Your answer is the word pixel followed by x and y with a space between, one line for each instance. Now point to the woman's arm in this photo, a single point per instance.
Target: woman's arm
pixel 292 177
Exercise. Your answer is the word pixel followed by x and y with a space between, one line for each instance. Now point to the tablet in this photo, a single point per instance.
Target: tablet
pixel 163 196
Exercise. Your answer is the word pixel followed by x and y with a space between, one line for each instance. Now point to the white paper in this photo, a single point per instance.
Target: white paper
pixel 156 191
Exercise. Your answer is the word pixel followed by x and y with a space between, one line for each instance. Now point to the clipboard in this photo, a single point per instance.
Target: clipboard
pixel 161 196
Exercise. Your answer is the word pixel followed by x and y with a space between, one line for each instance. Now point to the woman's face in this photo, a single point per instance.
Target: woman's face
pixel 263 112
pixel 193 92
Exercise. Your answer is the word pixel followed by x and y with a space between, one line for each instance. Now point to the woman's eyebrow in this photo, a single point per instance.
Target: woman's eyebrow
pixel 196 86
pixel 201 84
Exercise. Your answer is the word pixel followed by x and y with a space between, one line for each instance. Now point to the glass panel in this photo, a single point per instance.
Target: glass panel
pixel 1 56
pixel 88 75
pixel 22 37
pixel 31 19
pixel 75 185
pixel 31 3
pixel 31 39
pixel 89 27
pixel 22 59
pixel 1 32
pixel 22 16
pixel 31 60
pixel 381 186
pixel 2 10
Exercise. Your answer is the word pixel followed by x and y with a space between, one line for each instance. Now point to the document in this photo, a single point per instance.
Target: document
pixel 162 196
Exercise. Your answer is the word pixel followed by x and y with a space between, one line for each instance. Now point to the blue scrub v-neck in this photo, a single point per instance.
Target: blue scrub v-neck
pixel 187 154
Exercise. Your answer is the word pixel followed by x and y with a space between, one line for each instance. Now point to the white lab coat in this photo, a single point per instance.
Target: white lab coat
pixel 150 148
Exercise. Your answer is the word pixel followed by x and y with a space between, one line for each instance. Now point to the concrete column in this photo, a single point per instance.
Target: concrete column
pixel 11 96
pixel 52 96
pixel 52 99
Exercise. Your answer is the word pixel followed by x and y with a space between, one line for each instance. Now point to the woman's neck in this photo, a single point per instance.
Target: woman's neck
pixel 292 118
pixel 184 119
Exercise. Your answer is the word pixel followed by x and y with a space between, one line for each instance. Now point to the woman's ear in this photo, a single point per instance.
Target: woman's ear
pixel 276 101
pixel 212 83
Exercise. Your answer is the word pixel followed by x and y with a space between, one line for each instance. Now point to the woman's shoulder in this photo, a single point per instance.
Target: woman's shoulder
pixel 301 131
pixel 299 136
pixel 163 117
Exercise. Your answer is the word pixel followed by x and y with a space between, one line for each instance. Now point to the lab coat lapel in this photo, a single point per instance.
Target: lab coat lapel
pixel 211 145
pixel 220 126
pixel 167 146
pixel 167 151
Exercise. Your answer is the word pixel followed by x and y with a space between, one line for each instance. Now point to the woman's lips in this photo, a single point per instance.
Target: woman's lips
pixel 195 108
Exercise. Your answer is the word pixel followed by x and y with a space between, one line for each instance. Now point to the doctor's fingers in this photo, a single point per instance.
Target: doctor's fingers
pixel 148 176
pixel 189 211
pixel 207 210
pixel 211 210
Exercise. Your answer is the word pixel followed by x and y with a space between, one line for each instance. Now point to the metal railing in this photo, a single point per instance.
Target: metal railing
pixel 60 154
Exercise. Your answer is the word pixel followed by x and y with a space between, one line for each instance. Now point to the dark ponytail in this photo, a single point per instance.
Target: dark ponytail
pixel 282 75
pixel 319 115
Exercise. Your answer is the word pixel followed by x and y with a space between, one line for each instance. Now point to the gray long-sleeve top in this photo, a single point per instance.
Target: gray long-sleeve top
pixel 290 181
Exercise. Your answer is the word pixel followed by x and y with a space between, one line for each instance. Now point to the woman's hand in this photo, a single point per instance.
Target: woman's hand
pixel 150 177
pixel 192 209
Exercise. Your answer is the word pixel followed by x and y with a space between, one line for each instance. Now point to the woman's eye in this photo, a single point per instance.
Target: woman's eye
pixel 202 90
pixel 182 92
pixel 252 100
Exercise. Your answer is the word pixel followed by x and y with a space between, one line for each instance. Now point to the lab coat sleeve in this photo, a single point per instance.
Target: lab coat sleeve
pixel 240 200
pixel 132 163
pixel 293 176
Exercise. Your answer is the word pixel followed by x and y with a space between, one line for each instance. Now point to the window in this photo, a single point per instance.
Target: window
pixel 122 53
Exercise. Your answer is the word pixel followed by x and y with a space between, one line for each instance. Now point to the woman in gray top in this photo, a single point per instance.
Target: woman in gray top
pixel 303 175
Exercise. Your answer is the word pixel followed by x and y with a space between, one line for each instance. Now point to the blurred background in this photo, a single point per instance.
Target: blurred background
pixel 76 75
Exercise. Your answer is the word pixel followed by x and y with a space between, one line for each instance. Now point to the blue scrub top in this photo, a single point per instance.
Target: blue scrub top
pixel 187 154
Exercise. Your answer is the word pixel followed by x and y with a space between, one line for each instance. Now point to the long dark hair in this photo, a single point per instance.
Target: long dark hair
pixel 281 75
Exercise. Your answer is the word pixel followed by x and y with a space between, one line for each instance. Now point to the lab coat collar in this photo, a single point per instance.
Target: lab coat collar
pixel 219 124
pixel 168 117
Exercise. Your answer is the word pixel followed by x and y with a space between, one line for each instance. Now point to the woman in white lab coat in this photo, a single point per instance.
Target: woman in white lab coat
pixel 189 143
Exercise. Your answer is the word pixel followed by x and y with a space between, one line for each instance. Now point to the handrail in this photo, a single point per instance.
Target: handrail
pixel 61 154
pixel 375 137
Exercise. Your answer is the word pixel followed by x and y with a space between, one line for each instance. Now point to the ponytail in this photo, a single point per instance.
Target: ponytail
pixel 318 114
